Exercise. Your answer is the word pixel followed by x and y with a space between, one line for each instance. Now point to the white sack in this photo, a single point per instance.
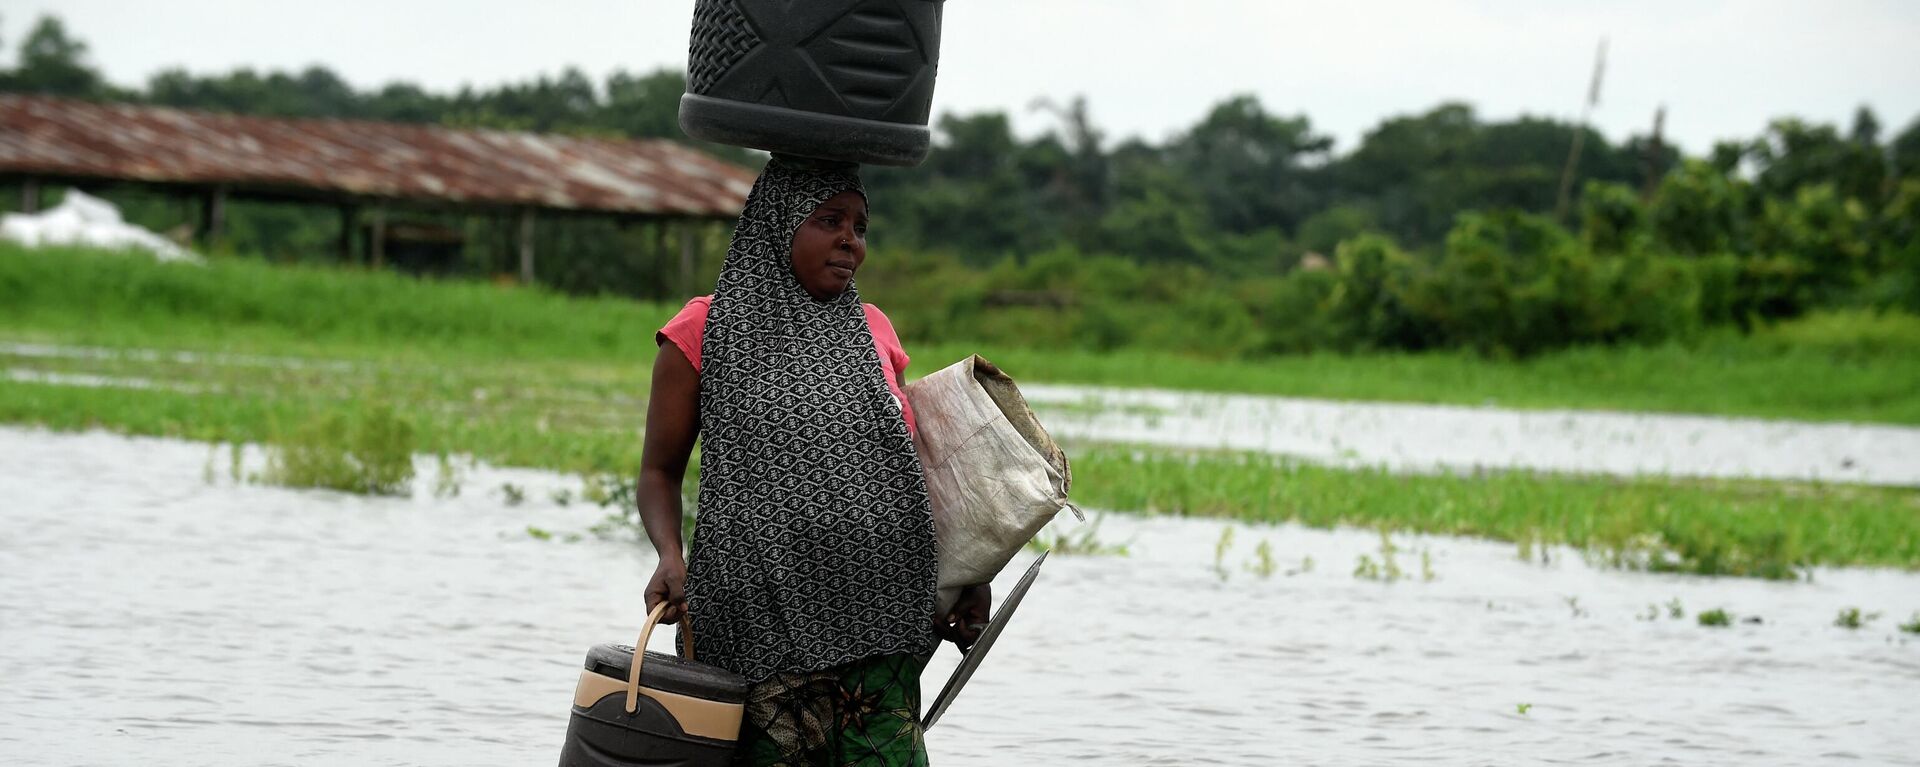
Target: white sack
pixel 87 221
pixel 994 475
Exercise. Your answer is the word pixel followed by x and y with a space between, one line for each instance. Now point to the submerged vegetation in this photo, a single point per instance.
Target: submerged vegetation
pixel 1853 618
pixel 361 451
pixel 1079 540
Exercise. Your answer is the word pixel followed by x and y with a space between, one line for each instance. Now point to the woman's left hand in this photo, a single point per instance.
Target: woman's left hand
pixel 962 624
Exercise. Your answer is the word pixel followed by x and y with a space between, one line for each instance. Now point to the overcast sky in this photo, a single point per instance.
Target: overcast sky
pixel 1722 68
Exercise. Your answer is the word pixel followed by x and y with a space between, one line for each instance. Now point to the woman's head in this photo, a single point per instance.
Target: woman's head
pixel 830 245
pixel 801 233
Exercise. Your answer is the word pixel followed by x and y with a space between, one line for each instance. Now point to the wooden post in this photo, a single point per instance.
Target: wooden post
pixel 1580 135
pixel 30 196
pixel 526 246
pixel 659 253
pixel 213 215
pixel 377 241
pixel 686 258
pixel 1652 159
pixel 349 219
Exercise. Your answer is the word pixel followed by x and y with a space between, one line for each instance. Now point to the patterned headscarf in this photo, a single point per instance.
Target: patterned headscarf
pixel 814 543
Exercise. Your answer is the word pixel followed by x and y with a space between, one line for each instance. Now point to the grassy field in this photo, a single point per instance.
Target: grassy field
pixel 1850 366
pixel 243 352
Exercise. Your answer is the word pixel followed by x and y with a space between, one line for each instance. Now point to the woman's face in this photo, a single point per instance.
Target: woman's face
pixel 830 245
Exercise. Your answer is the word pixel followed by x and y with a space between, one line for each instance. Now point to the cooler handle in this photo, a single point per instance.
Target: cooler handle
pixel 640 651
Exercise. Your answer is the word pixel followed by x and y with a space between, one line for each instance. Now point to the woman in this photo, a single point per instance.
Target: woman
pixel 812 571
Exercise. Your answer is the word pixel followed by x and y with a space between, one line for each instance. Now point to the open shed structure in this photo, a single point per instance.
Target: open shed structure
pixel 364 168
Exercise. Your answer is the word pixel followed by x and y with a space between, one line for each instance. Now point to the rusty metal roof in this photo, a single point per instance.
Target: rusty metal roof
pixel 65 139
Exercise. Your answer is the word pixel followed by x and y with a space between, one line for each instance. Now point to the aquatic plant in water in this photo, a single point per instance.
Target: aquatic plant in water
pixel 1262 563
pixel 1387 568
pixel 1912 626
pixel 1853 618
pixel 368 452
pixel 1716 617
pixel 1084 540
pixel 1573 607
pixel 446 482
pixel 1220 548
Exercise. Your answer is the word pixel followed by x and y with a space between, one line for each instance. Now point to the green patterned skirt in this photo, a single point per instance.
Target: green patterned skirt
pixel 865 713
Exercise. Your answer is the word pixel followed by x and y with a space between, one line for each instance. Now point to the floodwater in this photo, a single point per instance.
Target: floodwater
pixel 1428 438
pixel 154 611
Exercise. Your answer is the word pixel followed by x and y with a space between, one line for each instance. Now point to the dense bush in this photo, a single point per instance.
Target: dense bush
pixel 1506 283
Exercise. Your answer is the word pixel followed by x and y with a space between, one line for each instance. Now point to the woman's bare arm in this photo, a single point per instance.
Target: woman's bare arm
pixel 673 422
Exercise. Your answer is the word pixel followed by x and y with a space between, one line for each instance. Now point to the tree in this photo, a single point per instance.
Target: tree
pixel 644 105
pixel 1612 219
pixel 1795 154
pixel 53 63
pixel 1827 234
pixel 1255 170
pixel 1324 231
pixel 1905 150
pixel 1082 180
pixel 1421 171
pixel 1699 210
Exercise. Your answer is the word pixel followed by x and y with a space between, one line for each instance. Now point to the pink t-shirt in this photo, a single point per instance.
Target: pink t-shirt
pixel 687 327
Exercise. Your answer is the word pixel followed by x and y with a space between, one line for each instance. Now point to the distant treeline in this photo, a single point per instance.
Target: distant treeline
pixel 1245 233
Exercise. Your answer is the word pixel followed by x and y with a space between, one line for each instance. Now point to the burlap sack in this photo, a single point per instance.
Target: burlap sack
pixel 994 475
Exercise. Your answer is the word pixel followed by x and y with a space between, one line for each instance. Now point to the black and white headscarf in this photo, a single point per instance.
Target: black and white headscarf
pixel 814 543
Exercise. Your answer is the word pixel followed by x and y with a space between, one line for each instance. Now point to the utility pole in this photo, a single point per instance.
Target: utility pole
pixel 526 246
pixel 1580 133
pixel 1655 148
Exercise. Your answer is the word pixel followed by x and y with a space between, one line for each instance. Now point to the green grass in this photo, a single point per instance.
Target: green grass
pixel 1750 528
pixel 246 305
pixel 528 378
pixel 1843 366
pixel 1852 366
pixel 501 413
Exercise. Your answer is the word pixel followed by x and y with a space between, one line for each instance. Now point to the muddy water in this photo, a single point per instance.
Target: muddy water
pixel 149 616
pixel 1425 438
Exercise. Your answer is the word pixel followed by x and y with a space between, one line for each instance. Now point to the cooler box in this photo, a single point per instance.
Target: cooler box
pixel 684 713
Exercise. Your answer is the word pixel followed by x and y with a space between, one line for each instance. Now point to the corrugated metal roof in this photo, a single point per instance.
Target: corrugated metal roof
pixel 80 140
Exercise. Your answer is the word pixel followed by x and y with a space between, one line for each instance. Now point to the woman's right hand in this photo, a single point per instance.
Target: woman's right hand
pixel 669 585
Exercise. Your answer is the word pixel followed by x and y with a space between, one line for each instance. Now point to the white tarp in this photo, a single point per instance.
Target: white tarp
pixel 88 221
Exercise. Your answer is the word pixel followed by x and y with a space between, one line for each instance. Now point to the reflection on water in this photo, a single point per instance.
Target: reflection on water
pixel 150 617
pixel 1426 438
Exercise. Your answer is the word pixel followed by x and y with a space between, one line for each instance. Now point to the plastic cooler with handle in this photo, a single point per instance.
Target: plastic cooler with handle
pixel 656 709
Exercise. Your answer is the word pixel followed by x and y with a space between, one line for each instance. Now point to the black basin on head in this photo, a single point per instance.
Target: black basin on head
pixel 848 80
